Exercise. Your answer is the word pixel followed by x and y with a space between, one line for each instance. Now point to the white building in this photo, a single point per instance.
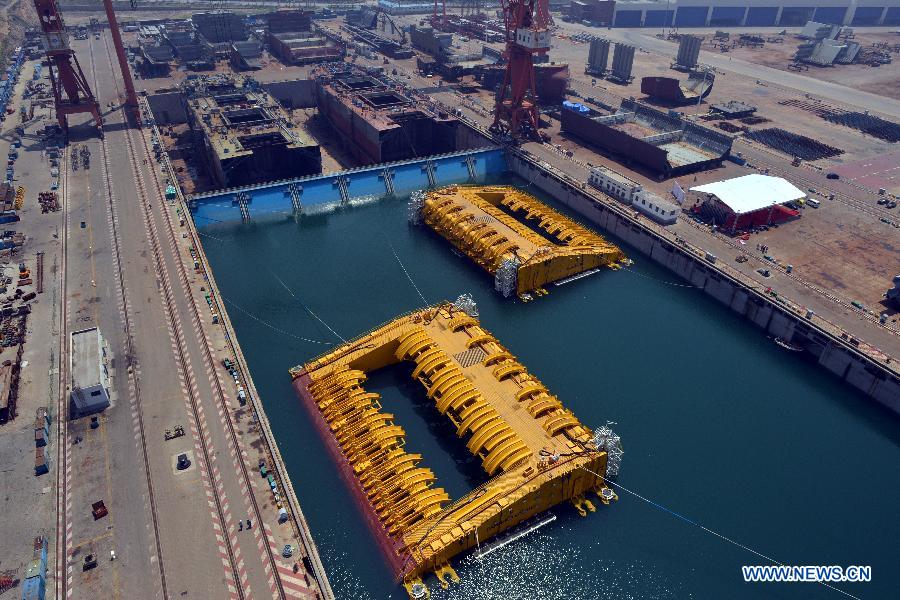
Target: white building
pixel 90 373
pixel 661 211
pixel 630 192
pixel 614 184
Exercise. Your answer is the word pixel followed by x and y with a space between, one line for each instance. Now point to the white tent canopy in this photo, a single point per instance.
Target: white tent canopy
pixel 752 192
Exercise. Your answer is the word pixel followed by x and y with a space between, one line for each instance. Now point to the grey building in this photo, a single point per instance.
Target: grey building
pixel 90 374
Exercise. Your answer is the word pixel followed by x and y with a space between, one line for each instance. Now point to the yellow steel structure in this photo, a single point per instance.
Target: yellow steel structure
pixel 536 452
pixel 492 224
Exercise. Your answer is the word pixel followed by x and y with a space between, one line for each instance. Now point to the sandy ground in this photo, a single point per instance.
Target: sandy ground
pixel 15 16
pixel 881 80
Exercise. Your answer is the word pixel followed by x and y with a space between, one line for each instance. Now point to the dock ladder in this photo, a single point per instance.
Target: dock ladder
pixel 295 191
pixel 470 165
pixel 341 183
pixel 242 199
pixel 388 177
pixel 428 167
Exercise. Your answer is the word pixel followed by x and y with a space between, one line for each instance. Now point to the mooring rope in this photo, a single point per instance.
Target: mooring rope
pixel 306 308
pixel 687 285
pixel 405 272
pixel 707 529
pixel 269 325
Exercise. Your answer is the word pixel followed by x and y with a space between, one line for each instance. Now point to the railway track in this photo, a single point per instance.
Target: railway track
pixel 129 340
pixel 181 349
pixel 62 435
pixel 210 363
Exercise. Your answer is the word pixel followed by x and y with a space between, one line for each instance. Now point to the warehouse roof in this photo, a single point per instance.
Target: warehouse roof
pixel 86 358
pixel 752 192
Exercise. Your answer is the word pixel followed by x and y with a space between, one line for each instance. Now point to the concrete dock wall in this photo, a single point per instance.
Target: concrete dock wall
pixel 322 192
pixel 776 316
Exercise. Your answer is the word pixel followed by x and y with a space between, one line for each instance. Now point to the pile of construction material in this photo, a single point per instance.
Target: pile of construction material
pixel 793 144
pixel 828 45
pixel 49 201
pixel 866 123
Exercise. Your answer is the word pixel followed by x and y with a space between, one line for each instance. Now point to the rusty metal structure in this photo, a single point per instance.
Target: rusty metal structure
pixel 71 92
pixel 527 34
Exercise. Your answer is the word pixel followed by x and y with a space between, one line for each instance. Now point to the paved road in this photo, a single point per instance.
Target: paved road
pixel 192 534
pixel 817 87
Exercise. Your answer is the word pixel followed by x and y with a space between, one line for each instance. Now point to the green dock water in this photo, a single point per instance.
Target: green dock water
pixel 719 424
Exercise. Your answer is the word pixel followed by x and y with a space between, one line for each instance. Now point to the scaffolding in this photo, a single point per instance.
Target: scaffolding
pixel 507 277
pixel 414 207
pixel 607 440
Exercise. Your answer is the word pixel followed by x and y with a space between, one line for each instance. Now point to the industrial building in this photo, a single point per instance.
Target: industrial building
pixel 292 38
pixel 90 374
pixel 750 201
pixel 632 193
pixel 450 62
pixel 595 12
pixel 651 205
pixel 551 80
pixel 298 48
pixel 614 184
pixel 667 145
pixel 674 92
pixel 378 121
pixel 738 13
pixel 247 137
pixel 246 55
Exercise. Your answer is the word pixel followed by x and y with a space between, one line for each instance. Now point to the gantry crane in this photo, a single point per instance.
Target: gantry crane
pixel 71 92
pixel 527 33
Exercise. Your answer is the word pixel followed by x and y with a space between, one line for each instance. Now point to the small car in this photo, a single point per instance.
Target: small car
pixel 183 462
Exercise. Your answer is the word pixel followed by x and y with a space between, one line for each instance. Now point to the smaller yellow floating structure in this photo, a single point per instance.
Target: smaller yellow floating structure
pixel 536 452
pixel 524 243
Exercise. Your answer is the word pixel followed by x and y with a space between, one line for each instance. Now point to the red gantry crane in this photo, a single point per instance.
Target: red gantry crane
pixel 71 92
pixel 527 33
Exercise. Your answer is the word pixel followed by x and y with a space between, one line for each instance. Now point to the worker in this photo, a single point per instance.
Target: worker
pixel 249 524
pixel 240 525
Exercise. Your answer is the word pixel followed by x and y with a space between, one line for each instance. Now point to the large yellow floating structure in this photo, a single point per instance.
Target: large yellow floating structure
pixel 524 243
pixel 535 451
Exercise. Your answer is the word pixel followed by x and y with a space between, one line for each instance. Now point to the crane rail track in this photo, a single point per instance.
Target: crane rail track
pixel 129 341
pixel 203 342
pixel 62 434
